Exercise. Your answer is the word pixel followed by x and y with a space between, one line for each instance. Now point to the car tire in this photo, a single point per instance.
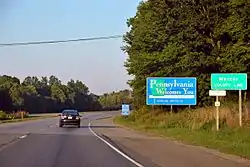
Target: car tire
pixel 78 125
pixel 60 125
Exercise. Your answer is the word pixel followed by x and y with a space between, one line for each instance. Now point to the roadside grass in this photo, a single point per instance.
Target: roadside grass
pixel 196 127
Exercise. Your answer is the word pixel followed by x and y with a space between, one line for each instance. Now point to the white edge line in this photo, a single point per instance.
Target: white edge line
pixel 114 148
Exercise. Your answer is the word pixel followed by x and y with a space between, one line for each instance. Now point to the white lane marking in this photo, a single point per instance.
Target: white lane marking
pixel 114 148
pixel 22 137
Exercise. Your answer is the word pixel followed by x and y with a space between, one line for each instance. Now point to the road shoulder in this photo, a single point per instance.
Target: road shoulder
pixel 159 151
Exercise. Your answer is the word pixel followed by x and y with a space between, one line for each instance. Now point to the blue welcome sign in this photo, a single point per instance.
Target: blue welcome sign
pixel 171 91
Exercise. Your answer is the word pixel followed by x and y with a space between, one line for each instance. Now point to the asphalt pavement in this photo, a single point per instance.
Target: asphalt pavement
pixel 41 143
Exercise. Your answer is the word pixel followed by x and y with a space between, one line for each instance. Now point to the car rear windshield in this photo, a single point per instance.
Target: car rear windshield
pixel 70 112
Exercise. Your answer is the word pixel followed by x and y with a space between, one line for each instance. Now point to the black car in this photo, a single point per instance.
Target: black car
pixel 70 117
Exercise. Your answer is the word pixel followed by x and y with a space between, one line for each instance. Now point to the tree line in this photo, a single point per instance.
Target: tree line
pixel 48 94
pixel 187 38
pixel 114 99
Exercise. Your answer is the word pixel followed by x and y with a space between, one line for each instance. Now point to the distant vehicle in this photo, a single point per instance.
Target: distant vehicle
pixel 70 117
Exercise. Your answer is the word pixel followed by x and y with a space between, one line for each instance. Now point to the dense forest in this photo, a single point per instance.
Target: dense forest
pixel 48 94
pixel 192 38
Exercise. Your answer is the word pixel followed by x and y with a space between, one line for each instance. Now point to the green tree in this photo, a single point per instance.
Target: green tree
pixel 57 93
pixel 15 93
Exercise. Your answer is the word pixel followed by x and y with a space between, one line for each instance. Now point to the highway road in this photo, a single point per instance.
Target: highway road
pixel 41 143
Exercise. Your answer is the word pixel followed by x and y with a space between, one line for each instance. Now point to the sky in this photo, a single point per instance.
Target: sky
pixel 99 64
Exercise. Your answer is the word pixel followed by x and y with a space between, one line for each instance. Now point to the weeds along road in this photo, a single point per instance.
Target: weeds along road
pixel 41 143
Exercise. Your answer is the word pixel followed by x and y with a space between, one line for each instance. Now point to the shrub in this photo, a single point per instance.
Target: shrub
pixel 19 114
pixel 14 115
pixel 3 115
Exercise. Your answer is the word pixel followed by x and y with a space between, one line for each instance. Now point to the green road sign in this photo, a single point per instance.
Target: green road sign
pixel 229 81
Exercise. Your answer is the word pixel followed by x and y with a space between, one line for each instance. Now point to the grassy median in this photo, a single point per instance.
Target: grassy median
pixel 25 119
pixel 16 117
pixel 195 127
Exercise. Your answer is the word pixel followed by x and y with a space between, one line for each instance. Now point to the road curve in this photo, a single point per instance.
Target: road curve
pixel 41 143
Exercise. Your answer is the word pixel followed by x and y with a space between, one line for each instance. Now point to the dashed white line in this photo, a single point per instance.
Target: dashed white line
pixel 114 148
pixel 22 137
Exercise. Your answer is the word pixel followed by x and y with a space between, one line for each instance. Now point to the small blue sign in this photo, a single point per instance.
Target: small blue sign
pixel 171 91
pixel 125 109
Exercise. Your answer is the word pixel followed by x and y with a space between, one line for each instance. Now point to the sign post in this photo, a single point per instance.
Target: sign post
pixel 217 93
pixel 230 81
pixel 240 108
pixel 217 113
pixel 171 91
